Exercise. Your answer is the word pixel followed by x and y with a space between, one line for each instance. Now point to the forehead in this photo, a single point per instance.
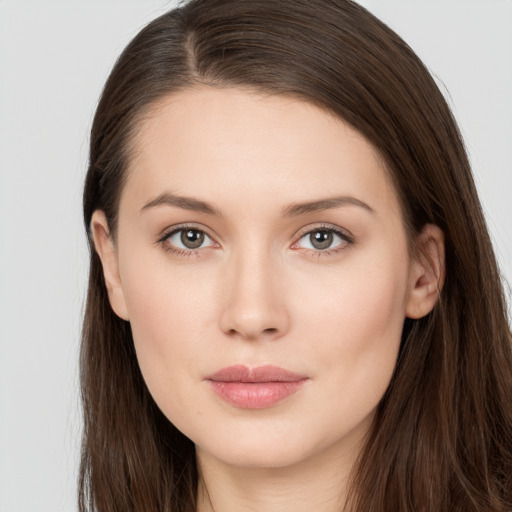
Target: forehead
pixel 264 150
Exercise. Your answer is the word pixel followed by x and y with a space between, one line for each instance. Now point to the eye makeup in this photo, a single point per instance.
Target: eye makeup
pixel 320 240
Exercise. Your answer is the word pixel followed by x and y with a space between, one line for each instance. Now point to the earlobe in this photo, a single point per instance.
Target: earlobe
pixel 107 253
pixel 427 273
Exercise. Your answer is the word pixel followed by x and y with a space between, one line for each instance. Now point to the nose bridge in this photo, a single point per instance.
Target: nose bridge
pixel 253 304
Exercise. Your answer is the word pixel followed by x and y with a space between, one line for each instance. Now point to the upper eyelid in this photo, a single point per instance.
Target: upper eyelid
pixel 166 233
pixel 325 227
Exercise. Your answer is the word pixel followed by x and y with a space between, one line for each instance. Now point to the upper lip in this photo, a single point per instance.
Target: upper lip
pixel 267 373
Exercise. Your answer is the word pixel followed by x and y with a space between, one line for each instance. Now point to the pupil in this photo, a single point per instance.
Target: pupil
pixel 192 239
pixel 321 239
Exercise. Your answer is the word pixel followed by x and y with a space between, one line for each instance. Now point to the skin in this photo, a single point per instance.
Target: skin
pixel 258 291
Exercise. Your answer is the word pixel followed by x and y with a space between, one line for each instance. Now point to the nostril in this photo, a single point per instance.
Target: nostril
pixel 254 334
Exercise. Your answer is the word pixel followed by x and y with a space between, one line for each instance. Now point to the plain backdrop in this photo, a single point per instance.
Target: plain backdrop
pixel 54 59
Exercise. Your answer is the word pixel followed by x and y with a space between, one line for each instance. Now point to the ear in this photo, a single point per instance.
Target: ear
pixel 107 252
pixel 427 273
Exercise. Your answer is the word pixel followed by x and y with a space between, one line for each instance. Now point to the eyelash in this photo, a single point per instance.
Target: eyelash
pixel 347 240
pixel 175 250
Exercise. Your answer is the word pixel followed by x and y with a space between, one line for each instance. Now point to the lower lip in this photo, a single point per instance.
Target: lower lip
pixel 255 395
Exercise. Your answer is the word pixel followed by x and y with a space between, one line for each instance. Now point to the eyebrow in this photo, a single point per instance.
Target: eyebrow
pixel 328 203
pixel 186 203
pixel 293 210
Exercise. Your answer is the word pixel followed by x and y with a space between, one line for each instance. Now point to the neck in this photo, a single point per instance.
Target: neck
pixel 318 483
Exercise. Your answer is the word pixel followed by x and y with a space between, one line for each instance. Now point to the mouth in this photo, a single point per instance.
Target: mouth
pixel 255 388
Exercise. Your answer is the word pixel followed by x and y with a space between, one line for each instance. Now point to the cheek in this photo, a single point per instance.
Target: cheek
pixel 165 306
pixel 363 295
pixel 356 324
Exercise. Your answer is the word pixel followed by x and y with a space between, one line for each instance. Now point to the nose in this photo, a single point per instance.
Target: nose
pixel 253 298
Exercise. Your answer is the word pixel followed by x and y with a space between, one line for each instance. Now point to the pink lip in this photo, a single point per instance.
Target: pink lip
pixel 255 388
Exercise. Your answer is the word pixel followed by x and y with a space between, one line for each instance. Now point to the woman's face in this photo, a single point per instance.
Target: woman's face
pixel 263 264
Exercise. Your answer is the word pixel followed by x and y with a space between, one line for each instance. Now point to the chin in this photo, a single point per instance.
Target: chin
pixel 257 457
pixel 259 449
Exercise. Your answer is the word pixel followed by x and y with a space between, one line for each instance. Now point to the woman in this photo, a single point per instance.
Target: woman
pixel 293 300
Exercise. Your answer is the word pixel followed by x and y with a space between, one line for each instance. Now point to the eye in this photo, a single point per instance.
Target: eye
pixel 323 240
pixel 187 239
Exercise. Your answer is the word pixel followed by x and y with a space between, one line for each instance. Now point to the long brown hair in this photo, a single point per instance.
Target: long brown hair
pixel 442 435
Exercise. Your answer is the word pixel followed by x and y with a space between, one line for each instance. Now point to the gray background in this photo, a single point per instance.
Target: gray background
pixel 54 59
